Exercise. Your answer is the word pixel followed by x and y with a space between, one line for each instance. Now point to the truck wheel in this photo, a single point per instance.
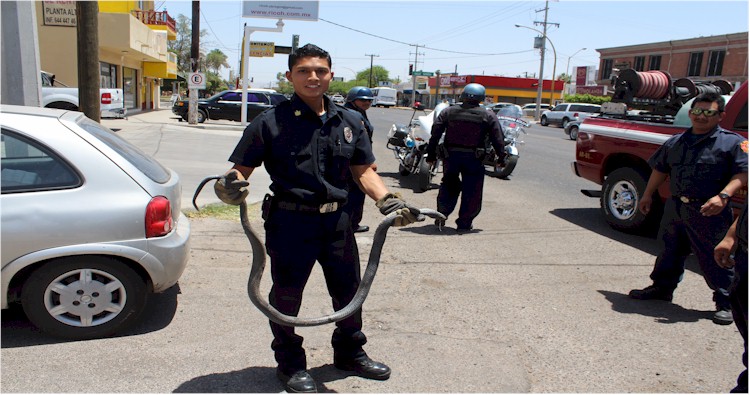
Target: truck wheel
pixel 564 122
pixel 621 194
pixel 573 132
pixel 84 297
pixel 543 121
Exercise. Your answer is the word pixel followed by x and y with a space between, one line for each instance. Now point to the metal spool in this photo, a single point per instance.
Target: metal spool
pixel 652 84
pixel 691 89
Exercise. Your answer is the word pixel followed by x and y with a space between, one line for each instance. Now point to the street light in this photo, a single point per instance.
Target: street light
pixel 568 64
pixel 541 70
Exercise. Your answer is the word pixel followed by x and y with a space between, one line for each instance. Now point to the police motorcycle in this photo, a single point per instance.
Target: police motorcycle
pixel 409 145
pixel 513 125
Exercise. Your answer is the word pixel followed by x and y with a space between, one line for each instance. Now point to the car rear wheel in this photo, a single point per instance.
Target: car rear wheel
pixel 543 121
pixel 573 132
pixel 84 297
pixel 565 122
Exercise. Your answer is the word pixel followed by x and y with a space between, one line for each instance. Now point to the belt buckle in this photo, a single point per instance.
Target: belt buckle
pixel 684 199
pixel 329 207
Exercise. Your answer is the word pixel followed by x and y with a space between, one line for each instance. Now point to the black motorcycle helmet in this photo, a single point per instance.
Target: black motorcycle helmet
pixel 473 93
pixel 359 92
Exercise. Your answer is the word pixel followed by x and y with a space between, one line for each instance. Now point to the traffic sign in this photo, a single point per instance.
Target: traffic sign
pixel 260 49
pixel 197 81
pixel 423 73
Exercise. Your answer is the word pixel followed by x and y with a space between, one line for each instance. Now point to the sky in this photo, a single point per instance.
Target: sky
pixel 470 37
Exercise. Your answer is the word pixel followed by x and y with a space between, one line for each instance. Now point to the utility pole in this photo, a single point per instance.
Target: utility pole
pixel 414 77
pixel 370 80
pixel 542 49
pixel 194 61
pixel 87 32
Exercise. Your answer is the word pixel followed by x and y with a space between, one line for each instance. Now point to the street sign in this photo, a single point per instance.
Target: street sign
pixel 197 81
pixel 260 49
pixel 299 10
pixel 423 73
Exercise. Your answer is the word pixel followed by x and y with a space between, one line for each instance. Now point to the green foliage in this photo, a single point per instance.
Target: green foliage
pixel 586 98
pixel 379 73
pixel 214 83
pixel 215 60
pixel 182 45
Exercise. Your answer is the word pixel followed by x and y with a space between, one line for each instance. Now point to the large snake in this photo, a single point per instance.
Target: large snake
pixel 259 264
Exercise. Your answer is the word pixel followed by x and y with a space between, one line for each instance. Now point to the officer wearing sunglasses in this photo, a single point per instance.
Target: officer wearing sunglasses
pixel 706 166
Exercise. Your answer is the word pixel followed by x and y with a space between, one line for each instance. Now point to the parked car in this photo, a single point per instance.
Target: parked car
pixel 571 129
pixel 566 112
pixel 529 109
pixel 338 99
pixel 228 105
pixel 90 224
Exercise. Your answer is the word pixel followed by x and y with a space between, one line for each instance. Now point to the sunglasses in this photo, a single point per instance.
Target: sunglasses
pixel 367 100
pixel 706 112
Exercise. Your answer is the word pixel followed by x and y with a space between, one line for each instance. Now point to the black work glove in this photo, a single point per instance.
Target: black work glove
pixel 232 188
pixel 393 202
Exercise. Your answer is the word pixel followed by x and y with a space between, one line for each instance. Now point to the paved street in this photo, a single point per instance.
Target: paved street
pixel 535 301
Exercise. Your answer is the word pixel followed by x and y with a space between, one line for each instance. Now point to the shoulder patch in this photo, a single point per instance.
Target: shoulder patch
pixel 743 145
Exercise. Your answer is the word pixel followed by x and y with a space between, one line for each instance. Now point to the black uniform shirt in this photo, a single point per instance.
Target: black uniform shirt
pixel 368 126
pixel 465 126
pixel 700 167
pixel 307 156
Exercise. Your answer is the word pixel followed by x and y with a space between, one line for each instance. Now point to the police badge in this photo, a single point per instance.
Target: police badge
pixel 348 135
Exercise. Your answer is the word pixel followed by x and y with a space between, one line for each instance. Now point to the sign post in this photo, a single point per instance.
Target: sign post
pixel 299 10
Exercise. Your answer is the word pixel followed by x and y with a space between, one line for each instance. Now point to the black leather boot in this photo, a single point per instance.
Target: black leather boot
pixel 299 381
pixel 365 367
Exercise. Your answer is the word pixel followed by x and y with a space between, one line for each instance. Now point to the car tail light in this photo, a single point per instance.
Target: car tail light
pixel 575 115
pixel 512 125
pixel 106 98
pixel 158 217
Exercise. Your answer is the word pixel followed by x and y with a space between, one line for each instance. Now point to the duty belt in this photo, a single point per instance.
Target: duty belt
pixel 306 207
pixel 461 149
pixel 688 200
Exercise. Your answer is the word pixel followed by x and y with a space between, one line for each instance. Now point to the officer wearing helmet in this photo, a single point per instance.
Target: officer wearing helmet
pixel 358 99
pixel 466 126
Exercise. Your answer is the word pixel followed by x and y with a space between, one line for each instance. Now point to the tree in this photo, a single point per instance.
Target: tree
pixel 284 86
pixel 215 60
pixel 181 45
pixel 379 74
pixel 214 83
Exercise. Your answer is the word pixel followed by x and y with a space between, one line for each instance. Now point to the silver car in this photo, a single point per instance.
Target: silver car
pixel 90 224
pixel 566 112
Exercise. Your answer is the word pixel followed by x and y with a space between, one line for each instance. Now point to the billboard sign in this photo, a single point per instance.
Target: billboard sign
pixel 596 90
pixel 299 10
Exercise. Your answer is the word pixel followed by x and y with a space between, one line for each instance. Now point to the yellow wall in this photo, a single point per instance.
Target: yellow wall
pixel 124 7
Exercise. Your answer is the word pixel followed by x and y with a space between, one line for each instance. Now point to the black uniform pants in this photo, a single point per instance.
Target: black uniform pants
pixel 355 203
pixel 295 241
pixel 738 299
pixel 684 228
pixel 463 174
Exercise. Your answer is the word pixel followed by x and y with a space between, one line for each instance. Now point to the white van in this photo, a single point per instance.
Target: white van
pixel 384 97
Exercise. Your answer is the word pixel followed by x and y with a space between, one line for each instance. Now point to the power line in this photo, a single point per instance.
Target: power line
pixel 425 47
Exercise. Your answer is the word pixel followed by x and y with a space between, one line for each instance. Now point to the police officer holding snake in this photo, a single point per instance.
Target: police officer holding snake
pixel 466 128
pixel 309 147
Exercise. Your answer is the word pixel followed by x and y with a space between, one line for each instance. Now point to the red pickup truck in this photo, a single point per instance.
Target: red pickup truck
pixel 614 153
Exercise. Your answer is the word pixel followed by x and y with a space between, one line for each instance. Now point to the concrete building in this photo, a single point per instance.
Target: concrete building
pixel 498 89
pixel 133 52
pixel 721 57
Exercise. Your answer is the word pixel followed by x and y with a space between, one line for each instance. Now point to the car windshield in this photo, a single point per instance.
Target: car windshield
pixel 146 164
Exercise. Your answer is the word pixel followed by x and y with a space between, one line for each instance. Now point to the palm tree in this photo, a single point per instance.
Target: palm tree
pixel 215 60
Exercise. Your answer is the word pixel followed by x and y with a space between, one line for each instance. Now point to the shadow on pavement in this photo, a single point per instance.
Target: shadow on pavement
pixel 662 311
pixel 411 181
pixel 17 331
pixel 591 219
pixel 255 380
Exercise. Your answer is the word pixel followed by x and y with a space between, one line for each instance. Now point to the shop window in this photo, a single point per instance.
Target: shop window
pixel 107 75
